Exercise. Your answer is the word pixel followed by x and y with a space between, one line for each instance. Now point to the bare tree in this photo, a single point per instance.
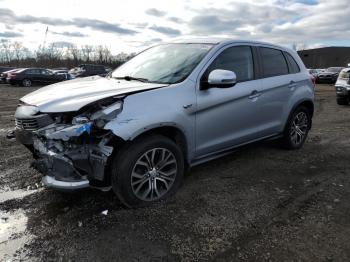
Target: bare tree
pixel 87 51
pixel 19 51
pixel 74 52
pixel 6 51
pixel 15 53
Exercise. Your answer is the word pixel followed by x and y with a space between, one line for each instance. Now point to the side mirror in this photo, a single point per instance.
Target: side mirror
pixel 222 78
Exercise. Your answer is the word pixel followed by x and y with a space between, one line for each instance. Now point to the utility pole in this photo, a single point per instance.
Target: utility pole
pixel 47 30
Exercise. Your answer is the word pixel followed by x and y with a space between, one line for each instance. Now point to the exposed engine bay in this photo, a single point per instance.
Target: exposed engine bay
pixel 71 149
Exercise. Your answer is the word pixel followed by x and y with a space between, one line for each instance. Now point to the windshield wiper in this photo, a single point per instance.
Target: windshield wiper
pixel 130 78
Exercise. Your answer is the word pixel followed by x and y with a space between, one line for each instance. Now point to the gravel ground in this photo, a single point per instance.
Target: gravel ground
pixel 260 203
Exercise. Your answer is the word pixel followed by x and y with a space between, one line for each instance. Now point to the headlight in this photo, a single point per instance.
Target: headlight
pixel 104 114
pixel 109 112
pixel 80 120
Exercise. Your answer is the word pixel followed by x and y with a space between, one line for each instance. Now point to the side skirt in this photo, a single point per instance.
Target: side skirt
pixel 230 150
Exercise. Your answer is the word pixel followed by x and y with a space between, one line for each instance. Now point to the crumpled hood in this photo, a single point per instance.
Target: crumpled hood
pixel 74 94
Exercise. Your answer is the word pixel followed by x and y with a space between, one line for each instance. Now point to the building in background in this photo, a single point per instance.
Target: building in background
pixel 325 57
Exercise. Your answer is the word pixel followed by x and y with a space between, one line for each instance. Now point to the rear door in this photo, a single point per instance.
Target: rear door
pixel 276 90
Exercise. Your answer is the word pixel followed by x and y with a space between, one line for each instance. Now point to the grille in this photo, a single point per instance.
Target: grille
pixel 27 124
pixel 33 123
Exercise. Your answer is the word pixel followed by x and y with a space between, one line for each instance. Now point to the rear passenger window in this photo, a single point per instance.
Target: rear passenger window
pixel 32 71
pixel 293 66
pixel 238 59
pixel 273 62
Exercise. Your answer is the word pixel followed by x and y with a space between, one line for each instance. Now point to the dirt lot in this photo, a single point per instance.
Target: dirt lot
pixel 260 203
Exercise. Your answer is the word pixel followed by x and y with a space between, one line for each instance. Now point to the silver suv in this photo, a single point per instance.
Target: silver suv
pixel 169 108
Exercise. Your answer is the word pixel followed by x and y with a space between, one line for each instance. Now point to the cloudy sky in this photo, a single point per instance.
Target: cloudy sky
pixel 132 25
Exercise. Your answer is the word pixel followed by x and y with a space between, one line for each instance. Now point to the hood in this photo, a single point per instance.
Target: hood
pixel 74 94
pixel 328 73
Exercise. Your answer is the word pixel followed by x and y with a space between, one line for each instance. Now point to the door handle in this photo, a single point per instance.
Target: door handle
pixel 187 106
pixel 292 84
pixel 254 94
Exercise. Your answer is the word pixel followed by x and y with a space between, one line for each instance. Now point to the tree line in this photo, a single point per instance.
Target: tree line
pixel 54 55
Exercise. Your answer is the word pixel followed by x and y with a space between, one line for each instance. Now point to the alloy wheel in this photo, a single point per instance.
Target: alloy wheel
pixel 27 83
pixel 153 174
pixel 299 128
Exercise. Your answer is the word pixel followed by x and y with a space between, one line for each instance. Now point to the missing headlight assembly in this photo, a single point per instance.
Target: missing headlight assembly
pixel 70 149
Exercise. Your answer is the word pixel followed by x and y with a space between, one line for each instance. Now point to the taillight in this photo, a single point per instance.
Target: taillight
pixel 313 80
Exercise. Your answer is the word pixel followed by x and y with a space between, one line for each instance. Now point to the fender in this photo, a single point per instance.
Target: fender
pixel 296 105
pixel 130 129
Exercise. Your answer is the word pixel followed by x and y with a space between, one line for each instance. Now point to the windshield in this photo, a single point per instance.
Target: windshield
pixel 168 63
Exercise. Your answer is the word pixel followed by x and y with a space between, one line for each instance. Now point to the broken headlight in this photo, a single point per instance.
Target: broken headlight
pixel 100 117
pixel 80 120
pixel 109 112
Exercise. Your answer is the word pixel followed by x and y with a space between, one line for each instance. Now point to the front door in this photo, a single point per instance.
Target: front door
pixel 228 116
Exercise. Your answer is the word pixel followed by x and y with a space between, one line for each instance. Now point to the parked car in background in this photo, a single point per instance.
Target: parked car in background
pixel 88 70
pixel 60 71
pixel 3 75
pixel 29 76
pixel 314 72
pixel 60 68
pixel 329 76
pixel 108 69
pixel 6 68
pixel 64 72
pixel 173 106
pixel 342 87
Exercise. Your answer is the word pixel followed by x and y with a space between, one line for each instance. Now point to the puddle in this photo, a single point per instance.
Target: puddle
pixel 15 194
pixel 13 235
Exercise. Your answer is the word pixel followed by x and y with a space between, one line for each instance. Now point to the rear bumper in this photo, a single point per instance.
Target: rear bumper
pixel 63 185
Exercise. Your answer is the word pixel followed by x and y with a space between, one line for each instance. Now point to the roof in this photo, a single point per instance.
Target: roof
pixel 215 41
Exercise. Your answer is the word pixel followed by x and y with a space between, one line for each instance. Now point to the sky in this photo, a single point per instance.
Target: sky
pixel 133 25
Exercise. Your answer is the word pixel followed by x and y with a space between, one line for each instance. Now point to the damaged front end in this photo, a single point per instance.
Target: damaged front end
pixel 70 149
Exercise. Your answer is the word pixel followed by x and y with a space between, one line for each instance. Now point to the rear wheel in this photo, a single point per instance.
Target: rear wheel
pixel 148 170
pixel 26 83
pixel 297 128
pixel 342 101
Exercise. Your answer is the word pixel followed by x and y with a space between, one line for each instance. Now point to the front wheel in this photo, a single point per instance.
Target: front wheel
pixel 297 128
pixel 148 170
pixel 342 101
pixel 26 83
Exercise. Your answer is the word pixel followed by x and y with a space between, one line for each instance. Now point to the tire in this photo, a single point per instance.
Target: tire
pixel 26 83
pixel 133 177
pixel 342 101
pixel 295 138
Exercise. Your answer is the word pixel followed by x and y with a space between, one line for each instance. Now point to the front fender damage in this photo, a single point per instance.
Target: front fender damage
pixel 72 156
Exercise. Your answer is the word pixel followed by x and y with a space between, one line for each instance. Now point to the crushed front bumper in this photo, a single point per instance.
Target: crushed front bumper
pixel 63 185
pixel 69 156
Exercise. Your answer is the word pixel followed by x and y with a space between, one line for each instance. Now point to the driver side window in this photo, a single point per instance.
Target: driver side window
pixel 44 72
pixel 238 59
